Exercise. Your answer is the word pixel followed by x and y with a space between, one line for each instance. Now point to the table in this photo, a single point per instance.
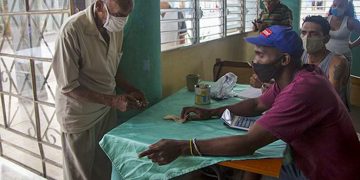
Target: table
pixel 123 143
pixel 268 167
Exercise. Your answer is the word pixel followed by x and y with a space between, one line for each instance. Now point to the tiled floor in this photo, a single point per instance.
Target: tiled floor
pixel 11 171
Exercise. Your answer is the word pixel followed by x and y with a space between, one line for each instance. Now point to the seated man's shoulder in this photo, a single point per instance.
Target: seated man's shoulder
pixel 339 59
pixel 310 77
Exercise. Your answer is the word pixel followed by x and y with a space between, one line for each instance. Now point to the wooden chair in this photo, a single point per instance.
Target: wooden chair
pixel 242 70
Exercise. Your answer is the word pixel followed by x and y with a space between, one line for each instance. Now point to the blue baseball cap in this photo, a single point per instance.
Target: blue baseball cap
pixel 282 38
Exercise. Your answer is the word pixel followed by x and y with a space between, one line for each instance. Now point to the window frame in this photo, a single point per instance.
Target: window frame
pixel 197 15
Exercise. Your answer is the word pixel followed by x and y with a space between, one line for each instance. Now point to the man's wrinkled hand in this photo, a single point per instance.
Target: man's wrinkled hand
pixel 124 102
pixel 194 113
pixel 164 151
pixel 255 82
pixel 141 100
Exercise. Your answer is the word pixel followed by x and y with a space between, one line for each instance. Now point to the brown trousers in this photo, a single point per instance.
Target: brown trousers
pixel 83 157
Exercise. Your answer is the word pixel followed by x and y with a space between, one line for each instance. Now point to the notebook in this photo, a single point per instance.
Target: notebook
pixel 238 122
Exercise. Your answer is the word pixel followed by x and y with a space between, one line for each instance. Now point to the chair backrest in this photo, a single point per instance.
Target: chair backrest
pixel 242 70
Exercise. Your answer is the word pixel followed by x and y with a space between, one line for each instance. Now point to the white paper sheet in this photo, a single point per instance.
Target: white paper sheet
pixel 249 93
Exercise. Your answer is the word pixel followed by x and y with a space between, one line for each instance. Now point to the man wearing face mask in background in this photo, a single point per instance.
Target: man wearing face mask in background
pixel 86 59
pixel 275 13
pixel 315 34
pixel 301 107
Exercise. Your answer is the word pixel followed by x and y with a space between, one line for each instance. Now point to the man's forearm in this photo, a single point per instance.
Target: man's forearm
pixel 247 107
pixel 223 146
pixel 85 94
pixel 123 84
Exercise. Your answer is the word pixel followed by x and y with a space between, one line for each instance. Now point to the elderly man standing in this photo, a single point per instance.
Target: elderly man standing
pixel 86 59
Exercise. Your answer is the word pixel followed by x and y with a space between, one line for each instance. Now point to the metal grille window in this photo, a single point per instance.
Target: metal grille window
pixel 357 8
pixel 177 23
pixel 234 16
pixel 211 20
pixel 29 132
pixel 204 20
pixel 252 11
pixel 312 7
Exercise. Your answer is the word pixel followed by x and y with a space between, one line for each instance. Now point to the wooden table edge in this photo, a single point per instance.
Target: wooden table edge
pixel 268 167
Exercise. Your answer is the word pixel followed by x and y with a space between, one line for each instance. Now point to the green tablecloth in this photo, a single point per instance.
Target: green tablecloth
pixel 123 143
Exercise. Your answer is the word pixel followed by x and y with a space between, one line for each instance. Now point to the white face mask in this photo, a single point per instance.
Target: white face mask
pixel 114 24
pixel 313 44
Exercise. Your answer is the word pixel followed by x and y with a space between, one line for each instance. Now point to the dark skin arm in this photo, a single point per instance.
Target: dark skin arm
pixel 338 72
pixel 165 151
pixel 249 107
pixel 121 102
pixel 131 90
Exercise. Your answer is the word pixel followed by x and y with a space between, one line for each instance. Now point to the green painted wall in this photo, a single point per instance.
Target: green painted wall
pixel 140 63
pixel 355 70
pixel 294 5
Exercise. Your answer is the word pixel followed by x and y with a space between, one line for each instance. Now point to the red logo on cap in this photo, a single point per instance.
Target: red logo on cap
pixel 267 32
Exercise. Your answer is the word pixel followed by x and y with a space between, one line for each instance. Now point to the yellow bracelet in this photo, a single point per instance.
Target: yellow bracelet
pixel 191 148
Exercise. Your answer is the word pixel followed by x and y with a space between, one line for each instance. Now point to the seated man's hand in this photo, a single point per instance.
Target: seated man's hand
pixel 257 25
pixel 254 25
pixel 164 151
pixel 255 82
pixel 141 101
pixel 193 113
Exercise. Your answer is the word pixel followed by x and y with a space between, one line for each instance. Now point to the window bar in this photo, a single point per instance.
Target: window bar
pixel 26 57
pixel 37 116
pixel 31 153
pixel 225 14
pixel 3 109
pixel 36 12
pixel 72 7
pixel 198 14
pixel 30 138
pixel 243 24
pixel 2 103
pixel 257 8
pixel 34 93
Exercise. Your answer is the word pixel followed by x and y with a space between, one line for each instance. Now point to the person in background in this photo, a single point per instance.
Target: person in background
pixel 342 22
pixel 178 28
pixel 301 107
pixel 87 55
pixel 275 13
pixel 315 34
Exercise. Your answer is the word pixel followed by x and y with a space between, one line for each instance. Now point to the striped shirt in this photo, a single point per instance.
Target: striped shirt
pixel 280 15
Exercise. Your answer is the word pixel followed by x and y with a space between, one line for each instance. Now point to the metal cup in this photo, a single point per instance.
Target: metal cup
pixel 191 81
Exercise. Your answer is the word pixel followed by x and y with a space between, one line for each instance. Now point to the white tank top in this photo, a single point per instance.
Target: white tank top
pixel 339 39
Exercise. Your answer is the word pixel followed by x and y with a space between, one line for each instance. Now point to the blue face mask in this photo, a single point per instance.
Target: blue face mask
pixel 337 11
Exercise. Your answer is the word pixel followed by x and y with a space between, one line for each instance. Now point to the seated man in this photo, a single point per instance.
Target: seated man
pixel 315 34
pixel 301 107
pixel 275 13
